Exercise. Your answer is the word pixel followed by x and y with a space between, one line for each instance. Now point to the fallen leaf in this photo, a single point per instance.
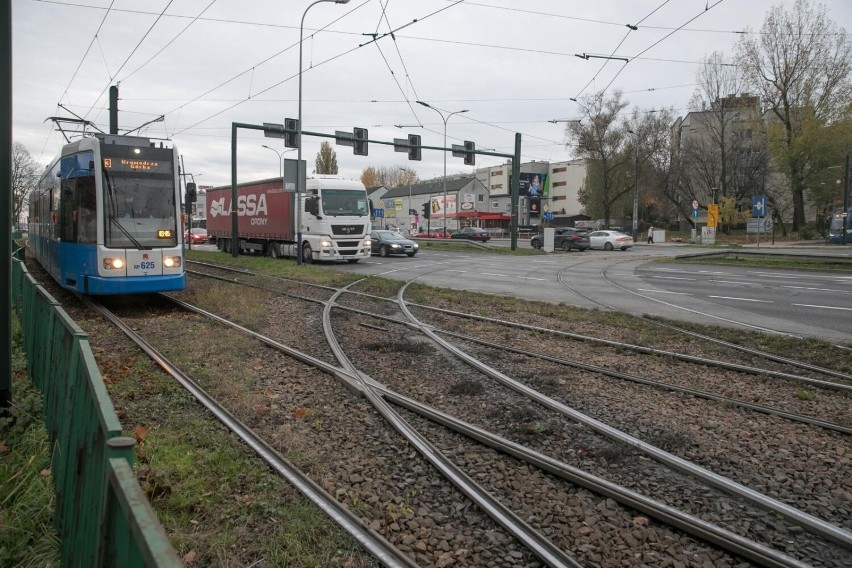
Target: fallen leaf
pixel 189 557
pixel 140 433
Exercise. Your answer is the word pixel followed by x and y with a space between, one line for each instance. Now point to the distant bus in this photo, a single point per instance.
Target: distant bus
pixel 836 224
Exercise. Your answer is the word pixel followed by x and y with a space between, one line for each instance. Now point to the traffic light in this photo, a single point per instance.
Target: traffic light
pixel 469 153
pixel 361 137
pixel 427 212
pixel 191 193
pixel 291 139
pixel 414 150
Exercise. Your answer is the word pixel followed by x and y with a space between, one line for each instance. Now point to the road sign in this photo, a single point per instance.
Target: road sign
pixel 545 208
pixel 695 205
pixel 758 206
pixel 378 213
pixel 756 225
pixel 549 215
pixel 695 213
pixel 712 215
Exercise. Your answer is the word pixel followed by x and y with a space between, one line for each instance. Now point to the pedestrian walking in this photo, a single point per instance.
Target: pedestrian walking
pixel 650 235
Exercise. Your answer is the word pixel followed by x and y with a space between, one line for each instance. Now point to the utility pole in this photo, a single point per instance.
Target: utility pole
pixel 847 222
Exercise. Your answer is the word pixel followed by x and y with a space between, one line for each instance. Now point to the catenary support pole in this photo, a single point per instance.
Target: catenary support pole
pixel 6 204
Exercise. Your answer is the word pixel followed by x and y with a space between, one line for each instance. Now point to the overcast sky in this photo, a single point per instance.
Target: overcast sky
pixel 205 64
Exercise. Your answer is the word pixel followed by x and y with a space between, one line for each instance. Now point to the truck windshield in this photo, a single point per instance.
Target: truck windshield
pixel 348 202
pixel 139 198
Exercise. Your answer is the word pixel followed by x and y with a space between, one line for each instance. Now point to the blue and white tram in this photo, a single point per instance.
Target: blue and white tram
pixel 105 217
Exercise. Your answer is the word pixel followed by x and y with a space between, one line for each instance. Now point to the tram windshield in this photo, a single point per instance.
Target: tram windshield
pixel 139 197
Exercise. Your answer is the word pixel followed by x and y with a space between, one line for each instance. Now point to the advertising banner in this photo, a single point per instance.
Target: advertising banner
pixel 439 208
pixel 533 185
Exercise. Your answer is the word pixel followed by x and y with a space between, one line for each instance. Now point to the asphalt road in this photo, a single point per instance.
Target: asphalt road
pixel 803 303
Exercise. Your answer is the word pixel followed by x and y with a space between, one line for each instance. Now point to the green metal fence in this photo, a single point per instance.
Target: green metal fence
pixel 102 515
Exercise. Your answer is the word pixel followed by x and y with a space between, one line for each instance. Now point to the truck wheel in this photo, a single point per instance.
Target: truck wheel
pixel 383 250
pixel 273 251
pixel 227 247
pixel 307 254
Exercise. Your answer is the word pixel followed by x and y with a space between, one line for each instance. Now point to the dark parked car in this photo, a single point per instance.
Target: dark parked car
pixel 387 243
pixel 471 233
pixel 565 238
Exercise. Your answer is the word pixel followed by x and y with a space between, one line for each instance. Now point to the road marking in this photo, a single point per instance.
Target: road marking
pixel 734 282
pixel 664 292
pixel 741 299
pixel 817 289
pixel 511 276
pixel 672 278
pixel 823 307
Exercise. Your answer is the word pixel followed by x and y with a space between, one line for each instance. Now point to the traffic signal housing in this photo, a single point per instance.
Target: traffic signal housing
pixel 360 142
pixel 427 212
pixel 469 153
pixel 291 139
pixel 414 150
pixel 191 193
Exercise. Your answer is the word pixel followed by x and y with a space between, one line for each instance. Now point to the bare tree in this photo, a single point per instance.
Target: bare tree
pixel 25 175
pixel 801 65
pixel 715 108
pixel 602 140
pixel 652 161
pixel 326 162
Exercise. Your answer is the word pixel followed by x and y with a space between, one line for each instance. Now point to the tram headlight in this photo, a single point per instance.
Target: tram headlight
pixel 171 261
pixel 113 263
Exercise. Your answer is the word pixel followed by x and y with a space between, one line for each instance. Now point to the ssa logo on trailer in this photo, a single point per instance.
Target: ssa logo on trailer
pixel 247 206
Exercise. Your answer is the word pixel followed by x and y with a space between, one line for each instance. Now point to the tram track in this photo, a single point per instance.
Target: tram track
pixel 550 555
pixel 364 318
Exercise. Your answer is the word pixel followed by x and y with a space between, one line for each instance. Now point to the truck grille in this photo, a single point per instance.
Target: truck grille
pixel 348 244
pixel 347 230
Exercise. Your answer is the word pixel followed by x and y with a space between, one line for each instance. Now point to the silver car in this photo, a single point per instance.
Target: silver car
pixel 386 243
pixel 609 240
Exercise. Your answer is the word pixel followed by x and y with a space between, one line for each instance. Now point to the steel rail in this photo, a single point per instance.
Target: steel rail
pixel 721 364
pixel 648 350
pixel 373 542
pixel 743 348
pixel 537 543
pixel 658 384
pixel 818 526
pixel 692 525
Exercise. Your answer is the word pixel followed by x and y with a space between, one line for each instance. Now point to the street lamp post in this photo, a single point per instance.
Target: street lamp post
pixel 406 170
pixel 445 119
pixel 636 191
pixel 280 159
pixel 299 180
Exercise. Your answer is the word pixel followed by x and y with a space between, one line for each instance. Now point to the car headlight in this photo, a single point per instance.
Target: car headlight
pixel 415 245
pixel 395 246
pixel 113 263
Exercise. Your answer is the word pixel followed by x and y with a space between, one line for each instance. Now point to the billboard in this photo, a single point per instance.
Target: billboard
pixel 533 185
pixel 439 208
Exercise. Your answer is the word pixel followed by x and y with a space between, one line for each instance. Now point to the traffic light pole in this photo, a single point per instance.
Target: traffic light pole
pixel 350 140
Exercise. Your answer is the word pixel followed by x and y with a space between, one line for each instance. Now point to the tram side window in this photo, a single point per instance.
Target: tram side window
pixel 78 188
pixel 86 210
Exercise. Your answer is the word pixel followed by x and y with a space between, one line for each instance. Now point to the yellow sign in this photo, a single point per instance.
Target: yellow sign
pixel 712 215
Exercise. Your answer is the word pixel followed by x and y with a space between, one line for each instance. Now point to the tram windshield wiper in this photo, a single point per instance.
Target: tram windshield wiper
pixel 117 223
